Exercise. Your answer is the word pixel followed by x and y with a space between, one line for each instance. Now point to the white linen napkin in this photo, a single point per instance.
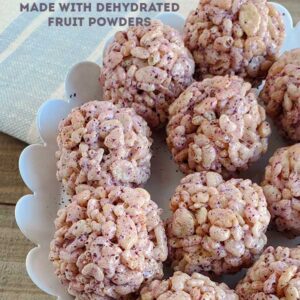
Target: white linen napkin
pixel 34 59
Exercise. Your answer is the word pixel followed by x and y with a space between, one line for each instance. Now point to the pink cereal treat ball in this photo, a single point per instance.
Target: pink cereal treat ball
pixel 281 187
pixel 181 286
pixel 216 226
pixel 147 67
pixel 217 125
pixel 100 144
pixel 241 37
pixel 108 243
pixel 281 94
pixel 274 276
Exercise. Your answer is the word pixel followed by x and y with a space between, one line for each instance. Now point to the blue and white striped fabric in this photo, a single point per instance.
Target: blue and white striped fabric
pixel 35 58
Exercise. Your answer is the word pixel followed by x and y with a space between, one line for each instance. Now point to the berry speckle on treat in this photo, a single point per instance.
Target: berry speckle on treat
pixel 218 125
pixel 102 145
pixel 234 37
pixel 106 240
pixel 216 226
pixel 147 67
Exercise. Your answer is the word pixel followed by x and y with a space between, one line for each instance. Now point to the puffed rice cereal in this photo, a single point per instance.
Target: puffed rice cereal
pixel 102 145
pixel 217 125
pixel 276 275
pixel 241 37
pixel 216 226
pixel 147 67
pixel 181 286
pixel 281 93
pixel 281 187
pixel 107 243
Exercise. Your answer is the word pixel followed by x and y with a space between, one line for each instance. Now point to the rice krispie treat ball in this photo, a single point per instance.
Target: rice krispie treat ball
pixel 217 125
pixel 147 67
pixel 216 226
pixel 241 37
pixel 281 93
pixel 102 145
pixel 181 286
pixel 274 276
pixel 107 244
pixel 281 187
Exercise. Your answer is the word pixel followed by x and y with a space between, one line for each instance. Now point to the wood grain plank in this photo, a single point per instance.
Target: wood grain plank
pixel 16 295
pixel 14 281
pixel 12 186
pixel 294 8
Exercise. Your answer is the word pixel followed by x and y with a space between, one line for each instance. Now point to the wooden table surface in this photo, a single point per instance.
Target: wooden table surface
pixel 14 281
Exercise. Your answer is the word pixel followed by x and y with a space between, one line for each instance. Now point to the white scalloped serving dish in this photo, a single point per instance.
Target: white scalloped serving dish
pixel 35 213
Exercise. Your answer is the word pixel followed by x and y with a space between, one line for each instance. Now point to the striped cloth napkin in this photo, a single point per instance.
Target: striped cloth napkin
pixel 35 58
